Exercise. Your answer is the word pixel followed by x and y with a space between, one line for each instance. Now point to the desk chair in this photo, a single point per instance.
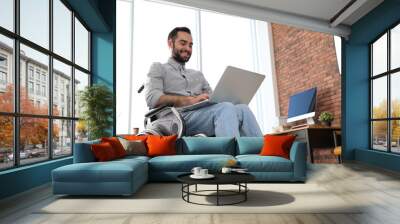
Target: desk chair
pixel 337 151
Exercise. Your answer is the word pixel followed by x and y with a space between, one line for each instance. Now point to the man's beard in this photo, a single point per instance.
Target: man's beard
pixel 178 57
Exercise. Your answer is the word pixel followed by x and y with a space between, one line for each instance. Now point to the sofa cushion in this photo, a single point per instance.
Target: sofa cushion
pixel 277 145
pixel 112 171
pixel 134 147
pixel 103 152
pixel 249 145
pixel 161 145
pixel 257 163
pixel 207 145
pixel 116 145
pixel 83 152
pixel 185 163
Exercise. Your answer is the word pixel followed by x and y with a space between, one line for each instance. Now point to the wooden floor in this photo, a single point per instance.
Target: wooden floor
pixel 378 189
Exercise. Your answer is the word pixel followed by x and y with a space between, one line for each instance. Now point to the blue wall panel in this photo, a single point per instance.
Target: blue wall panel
pixel 24 178
pixel 102 59
pixel 356 85
pixel 100 16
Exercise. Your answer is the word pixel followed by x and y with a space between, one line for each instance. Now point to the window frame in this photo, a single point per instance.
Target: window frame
pixel 388 74
pixel 16 114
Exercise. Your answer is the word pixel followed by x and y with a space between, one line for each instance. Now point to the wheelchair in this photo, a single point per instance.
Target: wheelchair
pixel 164 120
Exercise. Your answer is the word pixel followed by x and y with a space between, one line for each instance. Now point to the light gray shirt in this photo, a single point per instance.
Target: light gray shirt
pixel 172 78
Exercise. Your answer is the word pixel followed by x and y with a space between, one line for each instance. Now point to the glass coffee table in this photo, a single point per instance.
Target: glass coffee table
pixel 238 179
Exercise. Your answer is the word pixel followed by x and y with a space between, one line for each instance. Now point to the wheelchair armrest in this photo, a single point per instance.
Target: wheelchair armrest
pixel 155 111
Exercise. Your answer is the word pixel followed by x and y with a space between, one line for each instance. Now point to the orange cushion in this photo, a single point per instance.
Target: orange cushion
pixel 161 145
pixel 135 137
pixel 116 145
pixel 103 151
pixel 277 145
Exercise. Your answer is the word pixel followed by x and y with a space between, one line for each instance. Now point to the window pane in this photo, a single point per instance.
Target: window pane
pixel 62 89
pixel 62 29
pixel 379 98
pixel 34 79
pixel 159 17
pixel 6 74
pixel 81 131
pixel 211 24
pixel 62 141
pixel 35 21
pixel 395 138
pixel 81 45
pixel 81 81
pixel 6 142
pixel 379 55
pixel 7 14
pixel 33 140
pixel 379 135
pixel 395 94
pixel 395 47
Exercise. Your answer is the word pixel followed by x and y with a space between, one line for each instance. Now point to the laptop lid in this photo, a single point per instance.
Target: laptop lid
pixel 237 86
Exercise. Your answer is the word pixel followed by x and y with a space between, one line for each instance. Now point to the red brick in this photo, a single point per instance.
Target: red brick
pixel 303 60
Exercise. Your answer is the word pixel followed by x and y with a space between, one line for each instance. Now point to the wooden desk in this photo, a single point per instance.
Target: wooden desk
pixel 316 136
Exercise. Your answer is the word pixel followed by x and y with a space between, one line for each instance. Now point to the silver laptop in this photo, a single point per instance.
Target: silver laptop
pixel 236 85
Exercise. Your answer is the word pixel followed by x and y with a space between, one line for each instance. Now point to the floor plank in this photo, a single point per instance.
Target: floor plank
pixel 376 189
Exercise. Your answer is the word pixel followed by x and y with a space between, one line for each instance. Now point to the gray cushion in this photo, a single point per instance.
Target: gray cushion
pixel 133 147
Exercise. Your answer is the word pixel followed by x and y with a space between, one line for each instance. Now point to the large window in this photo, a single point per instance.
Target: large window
pixel 385 93
pixel 36 66
pixel 217 44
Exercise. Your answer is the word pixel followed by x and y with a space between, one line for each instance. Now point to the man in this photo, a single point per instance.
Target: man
pixel 172 84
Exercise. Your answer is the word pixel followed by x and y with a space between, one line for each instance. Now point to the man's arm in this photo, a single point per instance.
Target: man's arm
pixel 155 95
pixel 180 101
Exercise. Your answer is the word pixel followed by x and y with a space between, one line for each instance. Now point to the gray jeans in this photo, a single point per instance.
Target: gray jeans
pixel 222 120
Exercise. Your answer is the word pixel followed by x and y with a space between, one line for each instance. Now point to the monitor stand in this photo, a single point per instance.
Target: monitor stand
pixel 309 121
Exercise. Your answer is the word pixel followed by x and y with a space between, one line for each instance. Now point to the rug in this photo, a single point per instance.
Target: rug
pixel 166 198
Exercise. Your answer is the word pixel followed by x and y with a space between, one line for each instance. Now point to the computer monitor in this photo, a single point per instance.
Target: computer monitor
pixel 302 106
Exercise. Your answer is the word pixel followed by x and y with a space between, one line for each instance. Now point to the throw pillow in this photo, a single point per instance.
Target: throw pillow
pixel 135 147
pixel 103 151
pixel 161 145
pixel 117 146
pixel 135 137
pixel 277 145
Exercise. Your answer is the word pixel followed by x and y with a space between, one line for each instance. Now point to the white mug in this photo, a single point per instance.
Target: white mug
pixel 196 170
pixel 226 170
pixel 203 172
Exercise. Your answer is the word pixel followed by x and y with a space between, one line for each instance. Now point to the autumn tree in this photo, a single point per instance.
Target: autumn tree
pixel 380 127
pixel 33 130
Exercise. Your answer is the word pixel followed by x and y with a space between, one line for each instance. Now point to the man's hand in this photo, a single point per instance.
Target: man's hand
pixel 181 101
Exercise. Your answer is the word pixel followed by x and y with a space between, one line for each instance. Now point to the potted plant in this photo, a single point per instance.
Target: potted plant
pixel 326 118
pixel 96 102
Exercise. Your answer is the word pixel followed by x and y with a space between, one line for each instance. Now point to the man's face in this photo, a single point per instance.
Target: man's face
pixel 182 47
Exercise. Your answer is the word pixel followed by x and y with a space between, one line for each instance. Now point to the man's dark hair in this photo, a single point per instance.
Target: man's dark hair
pixel 174 33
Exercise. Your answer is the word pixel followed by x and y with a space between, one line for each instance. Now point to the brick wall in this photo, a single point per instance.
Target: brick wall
pixel 305 59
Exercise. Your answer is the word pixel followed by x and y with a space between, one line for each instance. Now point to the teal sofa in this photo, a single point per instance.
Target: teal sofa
pixel 125 176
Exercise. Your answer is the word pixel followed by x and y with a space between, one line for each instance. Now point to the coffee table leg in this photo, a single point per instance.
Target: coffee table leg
pixel 245 191
pixel 217 194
